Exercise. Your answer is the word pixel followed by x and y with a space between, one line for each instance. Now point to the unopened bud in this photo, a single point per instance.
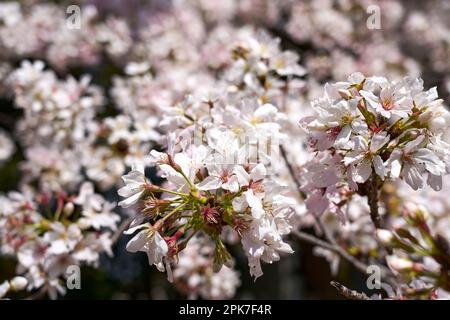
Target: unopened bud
pixel 415 213
pixel 399 264
pixel 18 283
pixel 68 209
pixel 386 237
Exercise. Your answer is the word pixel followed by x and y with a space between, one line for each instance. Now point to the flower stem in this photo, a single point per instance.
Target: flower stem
pixel 173 211
pixel 172 192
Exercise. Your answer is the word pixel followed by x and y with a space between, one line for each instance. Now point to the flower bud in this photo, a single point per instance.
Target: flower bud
pixel 415 212
pixel 18 283
pixel 398 264
pixel 386 237
pixel 68 209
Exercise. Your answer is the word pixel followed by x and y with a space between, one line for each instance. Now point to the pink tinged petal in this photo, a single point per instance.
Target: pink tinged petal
pixel 184 162
pixel 352 157
pixel 161 243
pixel 362 171
pixel 239 204
pixel 378 141
pixel 255 204
pixel 316 203
pixel 58 247
pixel 258 172
pixel 413 145
pixel 359 126
pixel 255 267
pixel 134 228
pixel 412 176
pixel 286 248
pixel 210 183
pixel 434 182
pixel 232 185
pixel 173 176
pixel 432 94
pixel 265 111
pixel 130 201
pixel 343 136
pixel 138 166
pixel 394 163
pixel 431 161
pixel 156 156
pixel 242 175
pixel 135 223
pixel 134 176
pixel 138 242
pixel 351 184
pixel 373 103
pixel 156 251
pixel 127 191
pixel 360 144
pixel 385 113
pixel 378 165
pixel 326 178
pixel 356 77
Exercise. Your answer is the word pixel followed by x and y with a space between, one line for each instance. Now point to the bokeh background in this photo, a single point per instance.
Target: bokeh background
pixel 332 39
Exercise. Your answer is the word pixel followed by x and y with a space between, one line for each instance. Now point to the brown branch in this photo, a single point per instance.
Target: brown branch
pixel 360 266
pixel 306 237
pixel 349 294
pixel 291 172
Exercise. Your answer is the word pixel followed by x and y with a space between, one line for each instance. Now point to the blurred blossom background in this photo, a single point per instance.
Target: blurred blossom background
pixel 127 61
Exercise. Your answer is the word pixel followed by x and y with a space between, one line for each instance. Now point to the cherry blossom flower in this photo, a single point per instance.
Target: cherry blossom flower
pixel 135 185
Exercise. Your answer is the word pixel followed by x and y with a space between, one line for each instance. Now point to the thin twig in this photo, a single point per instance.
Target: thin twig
pixel 360 266
pixel 349 294
pixel 291 172
pixel 312 240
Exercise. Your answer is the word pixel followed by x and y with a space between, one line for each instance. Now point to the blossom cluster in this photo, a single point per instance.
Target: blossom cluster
pixel 368 130
pixel 222 145
pixel 211 186
pixel 52 231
